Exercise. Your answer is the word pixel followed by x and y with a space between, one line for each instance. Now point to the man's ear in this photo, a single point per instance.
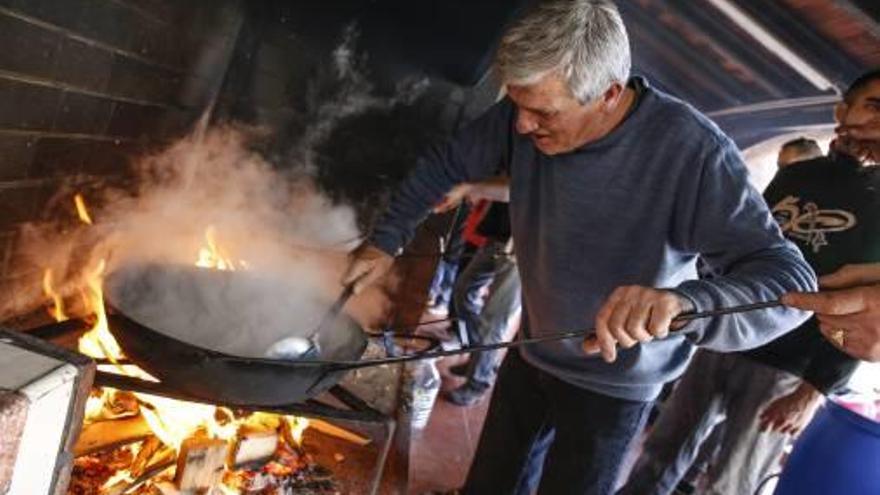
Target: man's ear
pixel 612 95
pixel 840 112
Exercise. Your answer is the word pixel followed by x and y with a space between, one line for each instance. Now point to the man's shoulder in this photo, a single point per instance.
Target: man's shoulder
pixel 680 116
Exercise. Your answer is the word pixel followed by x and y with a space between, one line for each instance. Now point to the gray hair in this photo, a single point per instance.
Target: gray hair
pixel 585 40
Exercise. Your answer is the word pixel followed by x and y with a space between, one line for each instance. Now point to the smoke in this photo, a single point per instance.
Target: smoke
pixel 287 242
pixel 286 239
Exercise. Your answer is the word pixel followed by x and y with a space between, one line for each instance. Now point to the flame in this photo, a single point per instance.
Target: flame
pixel 228 490
pixel 121 475
pixel 57 310
pixel 81 210
pixel 172 421
pixel 98 342
pixel 211 256
pixel 297 426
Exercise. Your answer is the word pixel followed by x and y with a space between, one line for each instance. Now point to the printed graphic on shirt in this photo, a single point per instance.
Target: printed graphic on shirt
pixel 809 223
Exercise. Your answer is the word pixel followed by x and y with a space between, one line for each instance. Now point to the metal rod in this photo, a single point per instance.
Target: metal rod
pixel 350 365
pixel 390 427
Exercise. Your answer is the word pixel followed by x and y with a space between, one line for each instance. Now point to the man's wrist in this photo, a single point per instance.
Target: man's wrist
pixel 686 305
pixel 808 392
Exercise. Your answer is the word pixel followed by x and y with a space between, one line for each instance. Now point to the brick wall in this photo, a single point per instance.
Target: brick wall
pixel 87 84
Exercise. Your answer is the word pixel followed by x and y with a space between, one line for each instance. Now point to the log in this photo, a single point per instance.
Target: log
pixel 106 434
pixel 338 432
pixel 149 448
pixel 253 446
pixel 200 464
pixel 165 488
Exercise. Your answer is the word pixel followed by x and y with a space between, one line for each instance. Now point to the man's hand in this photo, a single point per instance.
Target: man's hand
pixel 454 197
pixel 366 265
pixel 631 315
pixel 491 189
pixel 848 309
pixel 793 412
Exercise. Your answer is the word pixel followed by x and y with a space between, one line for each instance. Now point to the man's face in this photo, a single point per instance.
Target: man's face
pixel 553 118
pixel 864 108
pixel 861 113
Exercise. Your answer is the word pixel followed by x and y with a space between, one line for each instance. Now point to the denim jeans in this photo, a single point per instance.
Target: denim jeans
pixel 726 391
pixel 545 433
pixel 485 322
pixel 440 293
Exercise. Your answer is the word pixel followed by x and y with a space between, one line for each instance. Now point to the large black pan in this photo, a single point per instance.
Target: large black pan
pixel 187 327
pixel 221 361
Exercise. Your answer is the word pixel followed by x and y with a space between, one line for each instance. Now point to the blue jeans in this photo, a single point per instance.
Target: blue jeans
pixel 440 293
pixel 485 322
pixel 545 433
pixel 717 390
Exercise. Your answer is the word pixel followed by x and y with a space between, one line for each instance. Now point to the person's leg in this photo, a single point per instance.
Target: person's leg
pixel 747 454
pixel 436 281
pixel 517 420
pixel 447 282
pixel 467 295
pixel 503 301
pixel 594 432
pixel 686 419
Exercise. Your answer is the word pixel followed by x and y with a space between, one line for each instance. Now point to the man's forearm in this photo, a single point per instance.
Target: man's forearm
pixel 763 276
pixel 493 189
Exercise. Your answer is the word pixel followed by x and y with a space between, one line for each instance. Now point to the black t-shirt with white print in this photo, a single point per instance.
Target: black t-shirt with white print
pixel 830 208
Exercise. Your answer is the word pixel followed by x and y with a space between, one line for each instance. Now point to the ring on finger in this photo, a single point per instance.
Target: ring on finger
pixel 838 336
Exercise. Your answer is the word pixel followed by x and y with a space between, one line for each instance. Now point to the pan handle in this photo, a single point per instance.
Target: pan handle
pixel 585 334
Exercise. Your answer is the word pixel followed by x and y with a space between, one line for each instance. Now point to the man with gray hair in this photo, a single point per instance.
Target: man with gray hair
pixel 797 151
pixel 615 189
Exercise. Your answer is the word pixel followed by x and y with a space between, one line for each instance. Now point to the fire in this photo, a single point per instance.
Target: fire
pixel 81 210
pixel 98 342
pixel 123 475
pixel 211 256
pixel 57 309
pixel 297 427
pixel 172 421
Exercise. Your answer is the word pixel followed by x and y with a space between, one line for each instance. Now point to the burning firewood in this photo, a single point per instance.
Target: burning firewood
pixel 253 446
pixel 337 432
pixel 148 449
pixel 102 435
pixel 200 464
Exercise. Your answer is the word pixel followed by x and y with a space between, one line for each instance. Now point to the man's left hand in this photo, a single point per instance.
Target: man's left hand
pixel 793 412
pixel 631 315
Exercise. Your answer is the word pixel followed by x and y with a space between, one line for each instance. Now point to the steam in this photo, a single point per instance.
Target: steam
pixel 288 240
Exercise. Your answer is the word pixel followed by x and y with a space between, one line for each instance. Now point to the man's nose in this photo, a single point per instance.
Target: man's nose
pixel 525 124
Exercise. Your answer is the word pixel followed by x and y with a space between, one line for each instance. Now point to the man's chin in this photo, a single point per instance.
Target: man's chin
pixel 547 148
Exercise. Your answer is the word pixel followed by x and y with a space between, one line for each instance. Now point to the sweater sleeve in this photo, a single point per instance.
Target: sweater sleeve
pixel 724 220
pixel 474 153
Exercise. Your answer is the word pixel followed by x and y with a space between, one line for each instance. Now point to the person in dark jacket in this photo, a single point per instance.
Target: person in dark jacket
pixel 830 208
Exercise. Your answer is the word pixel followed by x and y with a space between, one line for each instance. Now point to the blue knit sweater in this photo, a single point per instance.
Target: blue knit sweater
pixel 636 207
